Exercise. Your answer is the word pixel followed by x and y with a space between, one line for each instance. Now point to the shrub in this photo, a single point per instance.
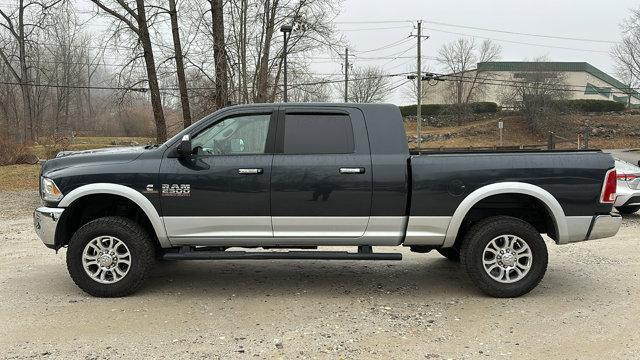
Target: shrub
pixel 589 105
pixel 13 153
pixel 54 144
pixel 450 109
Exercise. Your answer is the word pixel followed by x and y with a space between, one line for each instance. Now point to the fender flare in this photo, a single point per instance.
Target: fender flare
pixel 135 196
pixel 550 202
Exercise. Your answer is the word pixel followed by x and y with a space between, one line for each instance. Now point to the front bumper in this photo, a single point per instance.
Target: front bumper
pixel 604 226
pixel 45 222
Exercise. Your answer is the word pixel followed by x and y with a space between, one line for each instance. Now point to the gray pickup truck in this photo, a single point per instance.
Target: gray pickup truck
pixel 280 180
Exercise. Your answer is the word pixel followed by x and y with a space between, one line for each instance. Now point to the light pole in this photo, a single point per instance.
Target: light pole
pixel 286 29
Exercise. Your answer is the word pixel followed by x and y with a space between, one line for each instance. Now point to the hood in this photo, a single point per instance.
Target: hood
pixel 104 156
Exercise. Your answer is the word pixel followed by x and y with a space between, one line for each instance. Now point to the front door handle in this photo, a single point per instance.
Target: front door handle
pixel 352 170
pixel 248 171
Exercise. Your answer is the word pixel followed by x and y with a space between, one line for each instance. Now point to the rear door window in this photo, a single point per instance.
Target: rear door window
pixel 318 134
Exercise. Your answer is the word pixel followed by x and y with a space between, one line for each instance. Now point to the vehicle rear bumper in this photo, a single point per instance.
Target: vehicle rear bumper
pixel 45 222
pixel 625 196
pixel 604 226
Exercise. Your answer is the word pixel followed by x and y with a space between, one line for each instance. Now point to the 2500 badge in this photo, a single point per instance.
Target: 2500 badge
pixel 176 190
pixel 171 189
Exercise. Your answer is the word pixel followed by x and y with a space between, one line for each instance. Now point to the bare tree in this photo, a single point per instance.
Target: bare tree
pixel 536 94
pixel 308 88
pixel 367 84
pixel 626 54
pixel 135 19
pixel 179 57
pixel 459 58
pixel 20 25
pixel 254 44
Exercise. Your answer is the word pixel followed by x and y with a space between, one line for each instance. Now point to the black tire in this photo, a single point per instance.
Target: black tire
pixel 627 209
pixel 132 235
pixel 479 236
pixel 452 253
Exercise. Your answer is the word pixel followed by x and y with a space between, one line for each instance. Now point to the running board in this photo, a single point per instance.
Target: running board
pixel 287 255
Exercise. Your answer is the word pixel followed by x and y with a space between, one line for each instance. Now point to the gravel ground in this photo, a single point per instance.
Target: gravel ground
pixel 423 307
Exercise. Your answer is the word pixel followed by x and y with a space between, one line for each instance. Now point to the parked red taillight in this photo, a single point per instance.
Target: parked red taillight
pixel 608 195
pixel 626 177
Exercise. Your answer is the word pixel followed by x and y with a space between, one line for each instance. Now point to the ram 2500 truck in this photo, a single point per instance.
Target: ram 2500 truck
pixel 288 178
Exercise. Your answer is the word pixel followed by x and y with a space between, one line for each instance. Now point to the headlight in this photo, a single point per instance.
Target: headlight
pixel 50 191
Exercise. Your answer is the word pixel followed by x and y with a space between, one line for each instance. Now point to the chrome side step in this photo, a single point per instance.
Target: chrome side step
pixel 364 253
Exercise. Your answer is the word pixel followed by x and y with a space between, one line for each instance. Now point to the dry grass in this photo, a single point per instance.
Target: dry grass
pixel 19 177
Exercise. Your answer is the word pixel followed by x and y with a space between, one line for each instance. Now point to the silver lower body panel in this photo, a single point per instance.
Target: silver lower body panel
pixel 427 230
pixel 286 231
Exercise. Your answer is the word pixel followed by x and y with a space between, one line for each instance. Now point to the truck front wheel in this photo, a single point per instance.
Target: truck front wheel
pixel 504 256
pixel 110 257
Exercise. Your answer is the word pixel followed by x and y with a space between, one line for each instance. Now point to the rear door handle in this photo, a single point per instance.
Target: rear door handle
pixel 352 170
pixel 248 171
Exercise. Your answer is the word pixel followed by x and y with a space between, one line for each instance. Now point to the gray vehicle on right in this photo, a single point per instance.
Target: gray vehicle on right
pixel 628 193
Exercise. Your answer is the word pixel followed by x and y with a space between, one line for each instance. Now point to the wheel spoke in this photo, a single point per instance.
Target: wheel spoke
pixel 126 262
pixel 120 272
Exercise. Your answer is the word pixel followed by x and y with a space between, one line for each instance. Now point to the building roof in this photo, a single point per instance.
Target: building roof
pixel 557 66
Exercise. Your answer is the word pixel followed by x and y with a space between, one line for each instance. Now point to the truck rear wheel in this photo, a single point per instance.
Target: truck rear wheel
pixel 504 256
pixel 110 257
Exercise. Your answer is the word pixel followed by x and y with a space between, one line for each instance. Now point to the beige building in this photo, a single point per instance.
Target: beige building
pixel 497 81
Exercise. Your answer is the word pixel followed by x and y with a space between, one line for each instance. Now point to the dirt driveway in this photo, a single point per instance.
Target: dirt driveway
pixel 588 306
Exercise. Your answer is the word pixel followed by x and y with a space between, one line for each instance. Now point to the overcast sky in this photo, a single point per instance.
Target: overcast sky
pixel 586 19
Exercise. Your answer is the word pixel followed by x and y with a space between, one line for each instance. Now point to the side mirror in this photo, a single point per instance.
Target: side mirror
pixel 638 162
pixel 184 148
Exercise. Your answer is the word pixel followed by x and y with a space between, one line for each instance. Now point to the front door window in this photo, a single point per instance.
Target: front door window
pixel 246 134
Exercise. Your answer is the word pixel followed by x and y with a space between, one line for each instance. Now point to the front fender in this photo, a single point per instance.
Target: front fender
pixel 126 192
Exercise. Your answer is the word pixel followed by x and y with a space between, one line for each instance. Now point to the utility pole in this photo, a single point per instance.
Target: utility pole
pixel 346 74
pixel 419 86
pixel 286 29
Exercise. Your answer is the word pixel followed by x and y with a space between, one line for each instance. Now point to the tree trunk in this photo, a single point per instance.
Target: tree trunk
pixel 243 52
pixel 177 48
pixel 25 89
pixel 263 64
pixel 219 53
pixel 154 88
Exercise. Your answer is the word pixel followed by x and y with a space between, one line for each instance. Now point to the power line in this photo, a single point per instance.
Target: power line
pixel 521 33
pixel 376 28
pixel 515 42
pixel 145 89
pixel 384 47
pixel 374 22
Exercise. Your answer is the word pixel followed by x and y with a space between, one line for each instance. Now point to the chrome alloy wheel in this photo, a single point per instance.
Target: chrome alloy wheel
pixel 106 259
pixel 507 258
